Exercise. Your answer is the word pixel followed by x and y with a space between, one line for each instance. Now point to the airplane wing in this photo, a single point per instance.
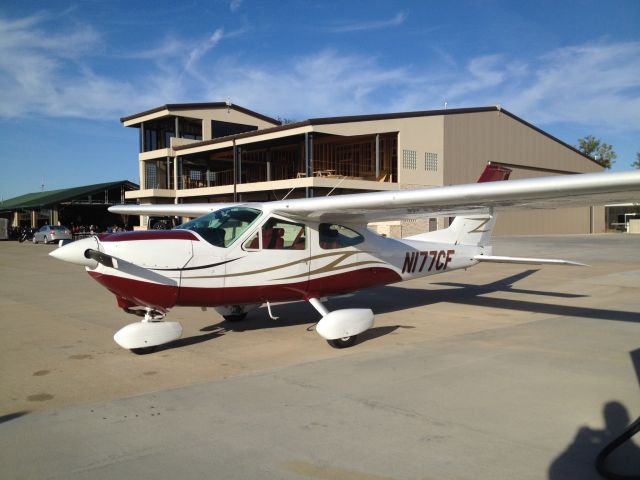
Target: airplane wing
pixel 170 209
pixel 535 193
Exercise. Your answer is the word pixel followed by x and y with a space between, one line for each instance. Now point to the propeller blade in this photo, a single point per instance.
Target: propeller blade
pixel 100 257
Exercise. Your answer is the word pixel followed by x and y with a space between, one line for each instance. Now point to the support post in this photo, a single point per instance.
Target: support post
pixel 168 172
pixel 268 164
pixel 175 173
pixel 308 161
pixel 235 172
pixel 177 127
pixel 377 156
pixel 141 137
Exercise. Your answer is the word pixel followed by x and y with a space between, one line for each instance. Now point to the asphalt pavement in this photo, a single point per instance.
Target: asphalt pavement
pixel 498 372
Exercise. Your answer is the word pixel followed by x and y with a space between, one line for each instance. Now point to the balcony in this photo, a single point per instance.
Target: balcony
pixel 333 158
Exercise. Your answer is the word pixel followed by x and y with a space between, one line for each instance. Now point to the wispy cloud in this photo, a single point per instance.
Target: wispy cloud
pixel 235 5
pixel 200 50
pixel 51 74
pixel 396 20
pixel 596 83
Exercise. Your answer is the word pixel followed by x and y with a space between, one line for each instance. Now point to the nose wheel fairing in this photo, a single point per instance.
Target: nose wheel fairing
pixel 143 335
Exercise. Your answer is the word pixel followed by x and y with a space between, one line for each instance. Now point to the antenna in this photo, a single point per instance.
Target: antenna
pixel 228 102
pixel 42 185
pixel 445 104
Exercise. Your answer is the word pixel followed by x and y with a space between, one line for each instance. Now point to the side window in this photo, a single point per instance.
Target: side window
pixel 279 234
pixel 337 236
pixel 253 243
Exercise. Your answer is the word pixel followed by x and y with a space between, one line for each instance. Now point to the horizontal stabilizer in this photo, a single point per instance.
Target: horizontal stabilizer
pixel 527 261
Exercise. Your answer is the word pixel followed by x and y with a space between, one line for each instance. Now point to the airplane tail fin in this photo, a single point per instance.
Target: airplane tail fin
pixel 494 173
pixel 464 230
pixel 470 229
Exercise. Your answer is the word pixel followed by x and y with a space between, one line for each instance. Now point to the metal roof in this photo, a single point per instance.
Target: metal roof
pixel 376 117
pixel 195 106
pixel 54 197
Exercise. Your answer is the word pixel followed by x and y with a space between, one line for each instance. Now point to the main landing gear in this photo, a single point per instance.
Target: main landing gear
pixel 235 313
pixel 340 328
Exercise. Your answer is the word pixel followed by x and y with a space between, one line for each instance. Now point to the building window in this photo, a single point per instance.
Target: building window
pixel 431 162
pixel 224 129
pixel 191 130
pixel 195 174
pixel 151 175
pixel 409 159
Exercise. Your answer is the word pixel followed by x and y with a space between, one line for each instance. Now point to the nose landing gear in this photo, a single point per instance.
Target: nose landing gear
pixel 143 337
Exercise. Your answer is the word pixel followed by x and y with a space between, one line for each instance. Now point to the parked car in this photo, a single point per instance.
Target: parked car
pixel 52 233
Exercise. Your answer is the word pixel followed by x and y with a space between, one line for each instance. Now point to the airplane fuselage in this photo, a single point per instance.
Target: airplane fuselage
pixel 182 268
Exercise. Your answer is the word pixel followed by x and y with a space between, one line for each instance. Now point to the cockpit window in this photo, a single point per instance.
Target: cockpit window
pixel 333 236
pixel 223 227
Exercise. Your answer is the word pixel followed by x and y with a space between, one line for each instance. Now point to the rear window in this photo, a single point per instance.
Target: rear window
pixel 58 227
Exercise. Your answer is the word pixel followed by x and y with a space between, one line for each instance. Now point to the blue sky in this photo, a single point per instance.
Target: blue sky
pixel 70 70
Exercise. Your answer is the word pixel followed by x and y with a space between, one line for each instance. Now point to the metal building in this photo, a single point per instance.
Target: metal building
pixel 85 205
pixel 220 152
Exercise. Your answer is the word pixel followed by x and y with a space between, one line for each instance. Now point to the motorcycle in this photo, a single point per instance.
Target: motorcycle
pixel 27 234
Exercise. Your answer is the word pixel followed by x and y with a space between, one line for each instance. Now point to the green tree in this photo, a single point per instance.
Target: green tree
pixel 636 164
pixel 598 150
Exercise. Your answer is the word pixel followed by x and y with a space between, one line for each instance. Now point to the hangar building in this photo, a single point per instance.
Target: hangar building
pixel 220 152
pixel 85 205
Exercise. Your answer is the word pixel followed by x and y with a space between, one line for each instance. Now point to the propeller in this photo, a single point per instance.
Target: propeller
pixel 100 257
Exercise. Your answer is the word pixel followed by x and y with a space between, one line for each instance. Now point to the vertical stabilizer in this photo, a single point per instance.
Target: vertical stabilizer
pixel 494 173
pixel 472 229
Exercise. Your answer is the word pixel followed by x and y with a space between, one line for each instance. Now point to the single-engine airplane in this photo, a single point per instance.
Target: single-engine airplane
pixel 236 257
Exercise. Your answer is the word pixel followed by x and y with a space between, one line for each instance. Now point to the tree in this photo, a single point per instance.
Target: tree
pixel 636 164
pixel 598 150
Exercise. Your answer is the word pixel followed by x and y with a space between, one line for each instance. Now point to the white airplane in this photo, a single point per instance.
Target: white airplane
pixel 239 256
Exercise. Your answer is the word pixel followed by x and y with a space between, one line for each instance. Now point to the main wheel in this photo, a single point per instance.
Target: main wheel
pixel 238 317
pixel 343 342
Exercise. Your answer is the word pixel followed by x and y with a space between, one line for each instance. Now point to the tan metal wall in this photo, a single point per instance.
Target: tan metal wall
pixel 471 140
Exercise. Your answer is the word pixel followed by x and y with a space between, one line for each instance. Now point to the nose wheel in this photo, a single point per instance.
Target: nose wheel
pixel 344 342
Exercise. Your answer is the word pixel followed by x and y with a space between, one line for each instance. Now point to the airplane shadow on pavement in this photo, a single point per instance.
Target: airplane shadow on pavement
pixel 391 298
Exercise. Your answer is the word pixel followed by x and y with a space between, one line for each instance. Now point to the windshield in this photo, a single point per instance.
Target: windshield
pixel 223 227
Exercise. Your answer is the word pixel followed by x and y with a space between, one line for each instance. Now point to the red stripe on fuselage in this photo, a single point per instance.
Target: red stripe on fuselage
pixel 145 294
pixel 164 297
pixel 150 235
